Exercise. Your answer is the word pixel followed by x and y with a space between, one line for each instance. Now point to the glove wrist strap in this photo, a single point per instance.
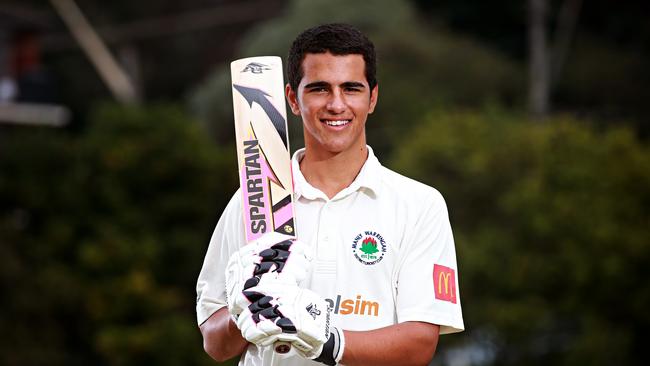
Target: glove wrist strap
pixel 332 349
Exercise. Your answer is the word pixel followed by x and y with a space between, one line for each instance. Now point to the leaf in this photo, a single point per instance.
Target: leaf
pixel 368 248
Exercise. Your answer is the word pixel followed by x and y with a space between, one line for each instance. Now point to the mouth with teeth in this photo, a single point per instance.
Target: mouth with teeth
pixel 336 123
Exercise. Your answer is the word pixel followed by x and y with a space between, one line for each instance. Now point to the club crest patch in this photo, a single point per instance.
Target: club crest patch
pixel 369 247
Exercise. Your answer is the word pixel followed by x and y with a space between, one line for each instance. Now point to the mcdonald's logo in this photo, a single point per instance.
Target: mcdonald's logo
pixel 444 283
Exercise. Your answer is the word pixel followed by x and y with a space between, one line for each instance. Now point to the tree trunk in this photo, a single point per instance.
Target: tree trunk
pixel 115 78
pixel 566 27
pixel 538 72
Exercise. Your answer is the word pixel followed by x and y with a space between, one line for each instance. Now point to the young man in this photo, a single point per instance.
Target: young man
pixel 382 252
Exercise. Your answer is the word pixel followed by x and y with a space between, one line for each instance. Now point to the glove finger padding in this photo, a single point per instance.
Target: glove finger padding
pixel 288 261
pixel 255 329
pixel 262 323
pixel 274 257
pixel 306 316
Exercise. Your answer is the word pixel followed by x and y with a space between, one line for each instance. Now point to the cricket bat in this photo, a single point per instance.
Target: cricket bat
pixel 263 150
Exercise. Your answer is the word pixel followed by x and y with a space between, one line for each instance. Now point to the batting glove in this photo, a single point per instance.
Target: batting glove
pixel 332 351
pixel 271 258
pixel 279 312
pixel 261 322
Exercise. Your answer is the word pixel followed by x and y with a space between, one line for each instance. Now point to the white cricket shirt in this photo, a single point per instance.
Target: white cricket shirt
pixel 384 254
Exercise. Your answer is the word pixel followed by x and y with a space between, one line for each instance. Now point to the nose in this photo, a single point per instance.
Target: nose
pixel 336 102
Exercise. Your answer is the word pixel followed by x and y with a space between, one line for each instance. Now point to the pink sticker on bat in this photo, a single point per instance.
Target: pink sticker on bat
pixel 283 215
pixel 256 196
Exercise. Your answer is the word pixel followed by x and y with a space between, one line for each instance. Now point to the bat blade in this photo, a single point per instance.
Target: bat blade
pixel 263 154
pixel 263 146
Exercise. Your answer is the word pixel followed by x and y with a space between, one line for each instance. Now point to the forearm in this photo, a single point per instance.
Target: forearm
pixel 409 343
pixel 221 338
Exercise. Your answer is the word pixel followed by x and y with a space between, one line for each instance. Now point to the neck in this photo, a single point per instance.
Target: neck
pixel 332 172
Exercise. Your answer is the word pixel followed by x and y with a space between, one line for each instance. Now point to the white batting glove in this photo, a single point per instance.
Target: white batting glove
pixel 310 316
pixel 258 323
pixel 332 351
pixel 301 315
pixel 240 267
pixel 288 262
pixel 273 257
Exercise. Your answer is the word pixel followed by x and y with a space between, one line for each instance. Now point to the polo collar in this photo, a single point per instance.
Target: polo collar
pixel 369 178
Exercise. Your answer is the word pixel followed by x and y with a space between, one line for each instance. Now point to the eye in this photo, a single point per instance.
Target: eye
pixel 353 89
pixel 318 89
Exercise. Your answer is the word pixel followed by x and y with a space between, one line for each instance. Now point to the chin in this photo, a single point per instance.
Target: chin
pixel 338 148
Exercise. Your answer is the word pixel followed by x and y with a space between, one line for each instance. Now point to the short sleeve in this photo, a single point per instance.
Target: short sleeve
pixel 226 239
pixel 427 278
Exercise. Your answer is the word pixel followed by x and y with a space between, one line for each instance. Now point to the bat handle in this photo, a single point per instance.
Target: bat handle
pixel 282 347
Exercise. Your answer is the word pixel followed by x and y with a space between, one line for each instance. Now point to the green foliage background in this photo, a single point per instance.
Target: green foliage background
pixel 102 236
pixel 551 229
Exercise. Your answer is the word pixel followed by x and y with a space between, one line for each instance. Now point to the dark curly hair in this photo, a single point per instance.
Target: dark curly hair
pixel 336 38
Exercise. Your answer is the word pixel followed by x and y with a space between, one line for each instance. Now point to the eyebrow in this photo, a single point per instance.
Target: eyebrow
pixel 323 84
pixel 317 84
pixel 353 84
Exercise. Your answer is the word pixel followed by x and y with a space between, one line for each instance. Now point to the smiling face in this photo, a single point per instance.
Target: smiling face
pixel 334 100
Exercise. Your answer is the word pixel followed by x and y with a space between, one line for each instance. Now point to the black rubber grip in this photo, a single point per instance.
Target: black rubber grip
pixel 263 267
pixel 281 255
pixel 286 325
pixel 265 302
pixel 270 313
pixel 253 296
pixel 284 245
pixel 251 282
pixel 268 254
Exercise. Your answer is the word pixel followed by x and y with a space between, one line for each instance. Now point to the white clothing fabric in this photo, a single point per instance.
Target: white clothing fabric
pixel 384 254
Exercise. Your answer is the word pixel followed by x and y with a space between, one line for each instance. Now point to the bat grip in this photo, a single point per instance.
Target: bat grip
pixel 282 347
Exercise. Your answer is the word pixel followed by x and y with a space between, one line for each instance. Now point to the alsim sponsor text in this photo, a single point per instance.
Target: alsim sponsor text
pixel 356 307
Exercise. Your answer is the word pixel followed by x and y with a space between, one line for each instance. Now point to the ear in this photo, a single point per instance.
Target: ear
pixel 292 98
pixel 374 96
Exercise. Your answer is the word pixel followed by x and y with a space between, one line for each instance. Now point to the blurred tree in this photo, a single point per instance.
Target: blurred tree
pixel 502 23
pixel 418 67
pixel 103 236
pixel 551 229
pixel 150 39
pixel 614 86
pixel 539 59
pixel 115 77
pixel 607 39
